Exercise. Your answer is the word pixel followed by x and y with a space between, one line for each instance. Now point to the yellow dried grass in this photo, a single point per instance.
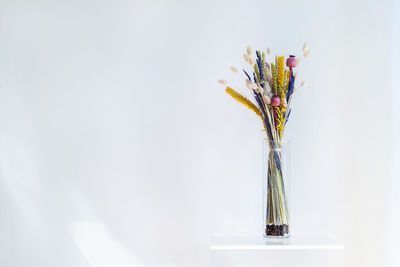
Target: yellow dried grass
pixel 243 100
pixel 281 71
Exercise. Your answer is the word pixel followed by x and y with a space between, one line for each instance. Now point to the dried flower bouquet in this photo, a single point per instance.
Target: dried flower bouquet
pixel 272 86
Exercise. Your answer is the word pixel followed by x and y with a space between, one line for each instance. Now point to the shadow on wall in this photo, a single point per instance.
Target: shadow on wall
pixel 100 248
pixel 70 231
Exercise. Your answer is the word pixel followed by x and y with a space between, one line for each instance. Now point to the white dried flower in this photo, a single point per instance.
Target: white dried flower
pixel 250 85
pixel 246 58
pixel 247 83
pixel 267 88
pixel 248 49
pixel 251 62
pixel 298 61
pixel 259 89
pixel 269 76
pixel 269 50
pixel 284 102
pixel 305 47
pixel 233 69
pixel 222 82
pixel 307 53
pixel 303 83
pixel 266 99
pixel 296 74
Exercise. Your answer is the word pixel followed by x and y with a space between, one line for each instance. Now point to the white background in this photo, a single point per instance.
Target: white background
pixel 118 147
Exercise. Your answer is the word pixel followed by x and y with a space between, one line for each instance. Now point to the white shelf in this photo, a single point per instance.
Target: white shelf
pixel 298 241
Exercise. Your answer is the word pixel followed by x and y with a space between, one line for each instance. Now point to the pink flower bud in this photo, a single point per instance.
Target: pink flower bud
pixel 275 101
pixel 291 62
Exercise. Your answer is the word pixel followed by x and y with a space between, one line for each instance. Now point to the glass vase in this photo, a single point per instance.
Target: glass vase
pixel 276 189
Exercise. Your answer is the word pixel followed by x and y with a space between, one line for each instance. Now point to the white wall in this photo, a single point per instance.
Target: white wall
pixel 394 197
pixel 118 147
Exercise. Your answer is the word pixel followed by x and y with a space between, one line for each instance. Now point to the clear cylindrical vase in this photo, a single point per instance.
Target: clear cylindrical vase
pixel 276 189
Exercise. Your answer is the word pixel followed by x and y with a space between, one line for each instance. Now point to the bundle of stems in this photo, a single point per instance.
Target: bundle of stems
pixel 272 87
pixel 277 213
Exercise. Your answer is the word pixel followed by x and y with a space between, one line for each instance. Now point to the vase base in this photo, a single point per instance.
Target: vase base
pixel 277 231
